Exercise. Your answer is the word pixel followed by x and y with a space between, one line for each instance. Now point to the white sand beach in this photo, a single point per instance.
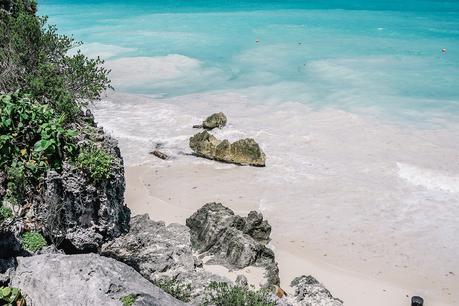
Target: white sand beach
pixel 175 198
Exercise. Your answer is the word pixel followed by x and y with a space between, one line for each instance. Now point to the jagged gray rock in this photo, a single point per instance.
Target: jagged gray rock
pixel 309 292
pixel 82 213
pixel 217 120
pixel 153 248
pixel 241 152
pixel 233 241
pixel 87 279
pixel 242 281
pixel 158 252
pixel 257 228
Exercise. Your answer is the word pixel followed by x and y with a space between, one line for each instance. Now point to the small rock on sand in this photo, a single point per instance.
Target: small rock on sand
pixel 160 154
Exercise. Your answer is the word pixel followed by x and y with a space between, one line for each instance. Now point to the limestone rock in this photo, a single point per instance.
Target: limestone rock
pixel 241 152
pixel 81 213
pixel 217 120
pixel 257 228
pixel 87 279
pixel 233 241
pixel 308 291
pixel 158 252
pixel 242 281
pixel 153 248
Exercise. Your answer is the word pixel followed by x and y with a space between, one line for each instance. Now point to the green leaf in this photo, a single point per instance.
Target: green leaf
pixel 15 292
pixel 71 133
pixel 43 145
pixel 6 291
pixel 6 122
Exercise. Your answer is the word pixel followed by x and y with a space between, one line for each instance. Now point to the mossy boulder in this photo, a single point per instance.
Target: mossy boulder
pixel 217 120
pixel 241 152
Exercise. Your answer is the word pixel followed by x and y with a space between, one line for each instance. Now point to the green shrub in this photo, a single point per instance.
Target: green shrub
pixel 35 59
pixel 5 213
pixel 11 296
pixel 95 161
pixel 33 241
pixel 33 139
pixel 177 289
pixel 222 294
pixel 128 300
pixel 43 90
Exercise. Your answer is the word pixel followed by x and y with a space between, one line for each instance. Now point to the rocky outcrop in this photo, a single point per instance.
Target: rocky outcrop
pixel 233 241
pixel 159 252
pixel 241 152
pixel 87 279
pixel 308 291
pixel 217 120
pixel 153 248
pixel 81 213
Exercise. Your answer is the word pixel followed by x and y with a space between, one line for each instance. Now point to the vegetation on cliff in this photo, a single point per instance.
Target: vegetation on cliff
pixel 35 59
pixel 44 92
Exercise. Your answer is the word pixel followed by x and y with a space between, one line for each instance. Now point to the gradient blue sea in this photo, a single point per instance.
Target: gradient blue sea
pixel 379 54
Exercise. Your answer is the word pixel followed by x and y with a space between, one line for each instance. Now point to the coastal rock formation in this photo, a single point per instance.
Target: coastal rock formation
pixel 81 213
pixel 233 241
pixel 241 152
pixel 87 279
pixel 308 291
pixel 160 252
pixel 217 120
pixel 153 248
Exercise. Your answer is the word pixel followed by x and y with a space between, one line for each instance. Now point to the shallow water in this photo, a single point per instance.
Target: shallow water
pixel 354 103
pixel 385 54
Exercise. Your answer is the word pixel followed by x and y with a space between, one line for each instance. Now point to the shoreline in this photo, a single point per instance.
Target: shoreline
pixel 345 190
pixel 354 288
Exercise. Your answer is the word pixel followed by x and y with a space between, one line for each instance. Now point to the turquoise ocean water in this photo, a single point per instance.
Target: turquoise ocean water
pixel 379 54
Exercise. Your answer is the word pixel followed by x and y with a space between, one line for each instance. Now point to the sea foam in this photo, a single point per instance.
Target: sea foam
pixel 429 179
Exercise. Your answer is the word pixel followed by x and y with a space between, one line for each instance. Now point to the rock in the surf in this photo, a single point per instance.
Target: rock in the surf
pixel 241 152
pixel 217 120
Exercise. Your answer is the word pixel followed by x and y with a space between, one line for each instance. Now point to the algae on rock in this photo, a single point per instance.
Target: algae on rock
pixel 241 152
pixel 217 120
